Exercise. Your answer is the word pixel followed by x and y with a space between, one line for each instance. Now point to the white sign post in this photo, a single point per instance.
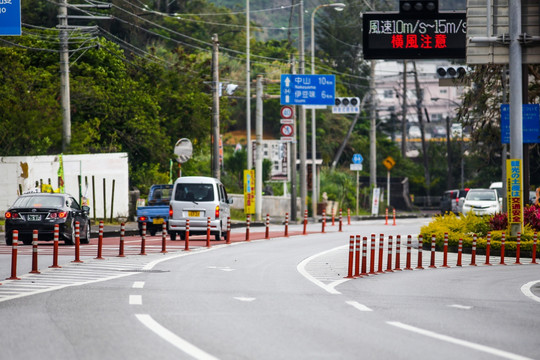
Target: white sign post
pixel 375 201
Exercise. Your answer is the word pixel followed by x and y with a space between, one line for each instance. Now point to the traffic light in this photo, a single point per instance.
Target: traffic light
pixel 418 7
pixel 346 105
pixel 451 75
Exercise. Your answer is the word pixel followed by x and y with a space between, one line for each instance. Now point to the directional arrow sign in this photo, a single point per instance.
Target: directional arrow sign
pixel 308 89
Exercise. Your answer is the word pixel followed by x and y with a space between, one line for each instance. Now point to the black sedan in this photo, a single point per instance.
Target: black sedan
pixel 41 211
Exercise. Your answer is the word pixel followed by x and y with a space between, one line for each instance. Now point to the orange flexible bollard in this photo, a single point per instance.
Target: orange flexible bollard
pixel 340 221
pixel 364 257
pixel 267 231
pixel 143 240
pixel 459 253
pixel 35 253
pixel 77 243
pixel 535 238
pixel 488 247
pixel 348 216
pixel 351 258
pixel 398 253
pixel 248 221
pixel 357 257
pixel 14 251
pixel 186 247
pixel 208 231
pixel 433 243
pixel 305 222
pixel 420 248
pixel 381 251
pixel 228 230
pixel 518 249
pixel 164 238
pixel 100 242
pixel 409 246
pixel 503 238
pixel 445 251
pixel 121 245
pixel 473 251
pixel 372 258
pixel 55 247
pixel 389 259
pixel 286 225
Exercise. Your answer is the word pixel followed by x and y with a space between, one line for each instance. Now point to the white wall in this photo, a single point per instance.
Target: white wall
pixel 110 167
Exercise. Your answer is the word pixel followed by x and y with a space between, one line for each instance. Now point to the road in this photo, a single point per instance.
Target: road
pixel 284 298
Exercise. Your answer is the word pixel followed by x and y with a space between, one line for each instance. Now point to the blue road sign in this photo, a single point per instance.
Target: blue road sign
pixel 308 89
pixel 357 159
pixel 10 17
pixel 531 123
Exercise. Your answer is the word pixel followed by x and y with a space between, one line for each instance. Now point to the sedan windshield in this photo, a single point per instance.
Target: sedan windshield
pixel 38 201
pixel 481 196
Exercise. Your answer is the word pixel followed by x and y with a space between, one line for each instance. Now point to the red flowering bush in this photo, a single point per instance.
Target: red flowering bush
pixel 531 216
pixel 499 221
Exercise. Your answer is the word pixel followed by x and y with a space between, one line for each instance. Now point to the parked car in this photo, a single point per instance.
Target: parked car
pixel 452 200
pixel 196 198
pixel 42 211
pixel 482 202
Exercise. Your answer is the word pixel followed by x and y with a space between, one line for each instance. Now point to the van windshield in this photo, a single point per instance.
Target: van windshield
pixel 194 192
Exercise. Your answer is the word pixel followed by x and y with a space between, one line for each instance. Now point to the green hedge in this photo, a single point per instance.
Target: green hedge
pixel 465 227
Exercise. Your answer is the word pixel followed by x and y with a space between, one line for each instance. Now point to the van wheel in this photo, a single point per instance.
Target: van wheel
pixel 153 232
pixel 172 234
pixel 182 235
pixel 218 236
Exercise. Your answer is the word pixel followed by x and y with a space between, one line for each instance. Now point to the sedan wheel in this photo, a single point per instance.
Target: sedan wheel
pixel 86 239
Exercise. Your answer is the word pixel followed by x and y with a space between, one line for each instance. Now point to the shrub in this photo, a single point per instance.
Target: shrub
pixel 531 215
pixel 499 221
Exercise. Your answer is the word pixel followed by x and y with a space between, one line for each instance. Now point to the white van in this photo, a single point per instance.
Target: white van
pixel 196 198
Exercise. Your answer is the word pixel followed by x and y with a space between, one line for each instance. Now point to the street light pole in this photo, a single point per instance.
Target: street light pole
pixel 314 184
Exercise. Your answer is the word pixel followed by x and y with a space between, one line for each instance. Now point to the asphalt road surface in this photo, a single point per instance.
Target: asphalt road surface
pixel 283 298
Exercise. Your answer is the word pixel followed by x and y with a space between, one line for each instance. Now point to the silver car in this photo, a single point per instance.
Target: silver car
pixel 482 202
pixel 198 198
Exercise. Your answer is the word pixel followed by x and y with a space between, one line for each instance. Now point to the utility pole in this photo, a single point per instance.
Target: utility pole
pixel 404 112
pixel 302 117
pixel 215 108
pixel 419 97
pixel 64 76
pixel 292 157
pixel 258 148
pixel 248 92
pixel 373 129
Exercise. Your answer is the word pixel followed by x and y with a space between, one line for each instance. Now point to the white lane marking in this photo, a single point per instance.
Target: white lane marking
pixel 135 300
pixel 526 290
pixel 301 268
pixel 138 285
pixel 358 306
pixel 487 349
pixel 463 307
pixel 246 299
pixel 173 339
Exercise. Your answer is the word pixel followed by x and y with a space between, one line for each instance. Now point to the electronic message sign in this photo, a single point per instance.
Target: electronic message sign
pixel 393 35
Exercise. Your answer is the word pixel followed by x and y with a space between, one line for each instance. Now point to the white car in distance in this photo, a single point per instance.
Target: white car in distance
pixel 482 202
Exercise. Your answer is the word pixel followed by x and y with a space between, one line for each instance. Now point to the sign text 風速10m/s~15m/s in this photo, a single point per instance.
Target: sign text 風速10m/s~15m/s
pixel 438 36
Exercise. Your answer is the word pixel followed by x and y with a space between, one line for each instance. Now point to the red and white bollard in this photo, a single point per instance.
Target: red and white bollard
pixel 488 247
pixel 533 255
pixel 473 250
pixel 503 238
pixel 248 221
pixel 351 258
pixel 518 249
pixel 228 230
pixel 420 248
pixel 186 247
pixel 323 222
pixel 459 252
pixel 389 258
pixel 333 217
pixel 77 243
pixel 305 222
pixel 100 241
pixel 381 251
pixel 14 240
pixel 398 253
pixel 143 239
pixel 372 257
pixel 357 257
pixel 445 251
pixel 55 247
pixel 286 233
pixel 386 216
pixel 340 220
pixel 208 231
pixel 121 245
pixel 364 257
pixel 433 246
pixel 409 246
pixel 164 238
pixel 394 215
pixel 348 216
pixel 35 253
pixel 267 231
